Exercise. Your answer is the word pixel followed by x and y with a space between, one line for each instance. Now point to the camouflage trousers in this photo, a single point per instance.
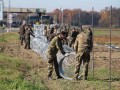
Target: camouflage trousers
pixel 22 38
pixel 52 61
pixel 71 41
pixel 82 57
pixel 27 43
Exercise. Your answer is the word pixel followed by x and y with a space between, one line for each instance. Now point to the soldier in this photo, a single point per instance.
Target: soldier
pixel 65 41
pixel 22 33
pixel 45 30
pixel 48 32
pixel 28 32
pixel 54 46
pixel 74 34
pixel 83 46
pixel 53 32
pixel 68 29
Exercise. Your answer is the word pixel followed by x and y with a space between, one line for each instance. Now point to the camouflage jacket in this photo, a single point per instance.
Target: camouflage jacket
pixel 83 42
pixel 28 32
pixel 22 30
pixel 55 45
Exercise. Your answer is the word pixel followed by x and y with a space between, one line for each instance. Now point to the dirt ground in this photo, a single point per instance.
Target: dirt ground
pixel 102 54
pixel 101 57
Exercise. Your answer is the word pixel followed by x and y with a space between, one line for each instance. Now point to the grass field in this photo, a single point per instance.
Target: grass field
pixel 12 75
pixel 18 73
pixel 106 32
pixel 8 36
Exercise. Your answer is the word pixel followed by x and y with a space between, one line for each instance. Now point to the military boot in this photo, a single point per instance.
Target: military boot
pixel 82 77
pixel 59 77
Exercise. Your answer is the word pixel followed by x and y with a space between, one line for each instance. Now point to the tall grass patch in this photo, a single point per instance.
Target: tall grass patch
pixel 13 73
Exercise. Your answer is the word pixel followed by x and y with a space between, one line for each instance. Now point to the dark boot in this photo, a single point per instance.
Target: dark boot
pixel 59 77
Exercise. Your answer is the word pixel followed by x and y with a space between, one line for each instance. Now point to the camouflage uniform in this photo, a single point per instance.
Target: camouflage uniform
pixel 73 37
pixel 22 33
pixel 51 34
pixel 83 45
pixel 28 32
pixel 48 32
pixel 54 46
pixel 45 30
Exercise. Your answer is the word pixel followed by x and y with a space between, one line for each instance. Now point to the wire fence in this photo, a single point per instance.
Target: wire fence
pixel 105 57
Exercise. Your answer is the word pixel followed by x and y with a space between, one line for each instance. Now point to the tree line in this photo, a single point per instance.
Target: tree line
pixel 79 17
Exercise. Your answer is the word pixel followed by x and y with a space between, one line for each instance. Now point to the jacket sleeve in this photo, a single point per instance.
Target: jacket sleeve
pixel 76 45
pixel 31 33
pixel 59 46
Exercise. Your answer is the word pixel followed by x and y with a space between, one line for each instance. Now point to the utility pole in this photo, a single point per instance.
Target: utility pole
pixel 110 48
pixel 70 17
pixel 9 17
pixel 9 14
pixel 9 6
pixel 93 42
pixel 79 19
pixel 62 15
pixel 59 16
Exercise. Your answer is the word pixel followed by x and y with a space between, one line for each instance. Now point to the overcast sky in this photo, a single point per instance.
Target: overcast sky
pixel 50 5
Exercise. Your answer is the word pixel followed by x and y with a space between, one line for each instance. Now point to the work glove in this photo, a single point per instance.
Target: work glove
pixel 67 54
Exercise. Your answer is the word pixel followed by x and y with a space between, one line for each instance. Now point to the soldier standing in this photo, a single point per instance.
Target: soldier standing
pixel 22 33
pixel 83 46
pixel 28 32
pixel 54 46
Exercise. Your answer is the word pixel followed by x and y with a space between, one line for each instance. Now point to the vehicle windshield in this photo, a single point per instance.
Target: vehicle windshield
pixel 45 17
pixel 33 18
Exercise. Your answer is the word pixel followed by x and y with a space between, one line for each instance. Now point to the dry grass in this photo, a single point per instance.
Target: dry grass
pixel 38 71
